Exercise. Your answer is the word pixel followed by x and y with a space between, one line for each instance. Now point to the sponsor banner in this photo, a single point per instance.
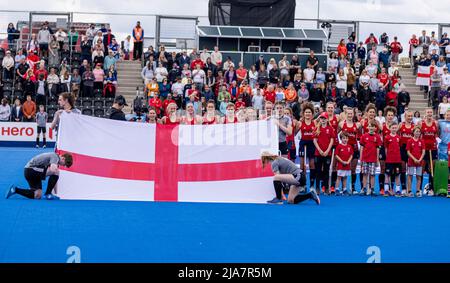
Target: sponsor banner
pixel 23 132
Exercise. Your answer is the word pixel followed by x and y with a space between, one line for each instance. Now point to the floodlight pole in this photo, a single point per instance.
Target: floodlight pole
pixel 318 13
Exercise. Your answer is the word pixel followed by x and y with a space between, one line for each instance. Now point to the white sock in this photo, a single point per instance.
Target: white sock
pixel 397 188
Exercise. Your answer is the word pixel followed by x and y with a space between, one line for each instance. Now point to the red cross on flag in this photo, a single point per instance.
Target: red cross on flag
pixel 116 160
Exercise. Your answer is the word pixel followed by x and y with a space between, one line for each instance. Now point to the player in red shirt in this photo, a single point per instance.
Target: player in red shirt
pixel 352 129
pixel 152 117
pixel 290 139
pixel 430 130
pixel 171 117
pixel 390 113
pixel 156 102
pixel 230 118
pixel 210 116
pixel 344 156
pixel 190 118
pixel 323 140
pixel 405 133
pixel 393 159
pixel 370 157
pixel 306 147
pixel 371 111
pixel 416 152
pixel 333 119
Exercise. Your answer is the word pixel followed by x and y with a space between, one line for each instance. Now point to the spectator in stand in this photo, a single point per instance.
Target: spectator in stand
pixel 308 75
pixel 90 33
pixel 53 59
pixel 383 77
pixel 341 82
pixel 396 49
pixel 194 54
pixel 263 76
pixel 152 88
pixel 434 47
pixel 115 48
pixel 205 55
pixel 371 41
pixel 5 110
pixel 424 41
pixel 17 112
pixel 313 61
pixel 184 59
pixel 384 39
pixel 413 44
pixel 88 79
pixel 446 78
pixel 43 38
pixel 384 57
pixel 53 82
pixel 444 42
pixel 107 39
pixel 33 44
pixel 403 101
pixel 198 76
pixel 138 41
pixel 274 75
pixel 342 49
pixel 260 62
pixel 283 64
pixel 75 83
pixel 73 38
pixel 19 56
pixel 98 57
pixel 98 39
pixel 42 90
pixel 209 66
pixel 29 110
pixel 61 37
pixel 373 55
pixel 148 72
pixel 228 64
pixel 330 77
pixel 436 82
pixel 241 73
pixel 361 50
pixel 8 66
pixel 216 56
pixel 65 80
pixel 109 61
pixel 99 76
pixel 161 72
pixel 13 34
pixel 195 62
pixel 230 75
pixel 86 47
pixel 351 50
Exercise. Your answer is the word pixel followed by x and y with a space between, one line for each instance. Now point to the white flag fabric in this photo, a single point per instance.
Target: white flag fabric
pixel 423 76
pixel 116 160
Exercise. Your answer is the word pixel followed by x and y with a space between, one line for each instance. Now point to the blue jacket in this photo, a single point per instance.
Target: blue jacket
pixel 384 57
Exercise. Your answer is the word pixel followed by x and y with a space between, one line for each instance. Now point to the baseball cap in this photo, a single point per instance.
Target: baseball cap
pixel 324 115
pixel 120 100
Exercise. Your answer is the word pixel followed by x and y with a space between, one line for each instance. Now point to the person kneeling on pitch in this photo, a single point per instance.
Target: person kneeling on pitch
pixel 287 172
pixel 37 170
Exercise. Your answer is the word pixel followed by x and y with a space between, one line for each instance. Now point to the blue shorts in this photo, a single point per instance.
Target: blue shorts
pixel 310 149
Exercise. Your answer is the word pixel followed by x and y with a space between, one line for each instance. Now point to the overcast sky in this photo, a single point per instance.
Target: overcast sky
pixel 419 11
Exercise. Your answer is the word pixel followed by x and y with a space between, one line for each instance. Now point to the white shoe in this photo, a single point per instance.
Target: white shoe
pixel 403 193
pixel 419 194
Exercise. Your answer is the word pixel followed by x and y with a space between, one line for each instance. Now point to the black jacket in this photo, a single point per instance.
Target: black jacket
pixel 14 114
pixel 403 97
pixel 116 114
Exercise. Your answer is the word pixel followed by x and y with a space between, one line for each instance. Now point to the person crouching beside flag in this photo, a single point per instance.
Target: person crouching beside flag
pixel 287 172
pixel 37 170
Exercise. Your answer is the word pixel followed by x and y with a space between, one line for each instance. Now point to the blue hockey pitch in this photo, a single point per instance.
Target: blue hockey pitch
pixel 341 229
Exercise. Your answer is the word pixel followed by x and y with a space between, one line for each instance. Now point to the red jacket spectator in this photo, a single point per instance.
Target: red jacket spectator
pixel 270 96
pixel 29 109
pixel 371 37
pixel 197 61
pixel 156 102
pixel 166 103
pixel 342 50
pixel 239 104
pixel 391 98
pixel 396 47
pixel 38 72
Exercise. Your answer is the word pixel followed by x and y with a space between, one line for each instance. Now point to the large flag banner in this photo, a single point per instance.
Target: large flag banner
pixel 116 160
pixel 424 74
